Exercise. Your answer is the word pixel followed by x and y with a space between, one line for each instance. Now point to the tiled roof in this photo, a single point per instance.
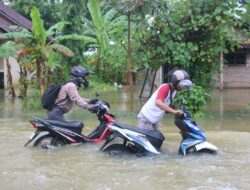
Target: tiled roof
pixel 10 17
pixel 245 44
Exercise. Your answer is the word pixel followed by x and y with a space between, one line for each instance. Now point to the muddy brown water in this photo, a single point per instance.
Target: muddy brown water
pixel 84 167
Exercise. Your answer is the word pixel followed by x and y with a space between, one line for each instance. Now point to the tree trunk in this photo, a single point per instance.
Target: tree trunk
pixel 97 66
pixel 23 82
pixel 41 79
pixel 11 93
pixel 128 74
pixel 221 70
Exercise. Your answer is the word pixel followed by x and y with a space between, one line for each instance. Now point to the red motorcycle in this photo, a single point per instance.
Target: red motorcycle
pixel 59 133
pixel 134 140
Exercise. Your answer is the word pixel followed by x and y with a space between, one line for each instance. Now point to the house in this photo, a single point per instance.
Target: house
pixel 9 17
pixel 236 69
pixel 235 73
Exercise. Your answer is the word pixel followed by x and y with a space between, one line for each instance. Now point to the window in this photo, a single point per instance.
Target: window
pixel 237 58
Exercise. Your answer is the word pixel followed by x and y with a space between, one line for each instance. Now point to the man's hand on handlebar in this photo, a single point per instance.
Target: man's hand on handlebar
pixel 179 112
pixel 93 101
pixel 94 108
pixel 99 106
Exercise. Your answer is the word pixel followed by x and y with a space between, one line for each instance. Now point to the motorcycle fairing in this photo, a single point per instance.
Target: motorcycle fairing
pixel 195 129
pixel 135 137
pixel 186 144
pixel 150 133
pixel 194 136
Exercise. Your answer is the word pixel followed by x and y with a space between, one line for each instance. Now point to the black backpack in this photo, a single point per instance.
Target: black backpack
pixel 49 96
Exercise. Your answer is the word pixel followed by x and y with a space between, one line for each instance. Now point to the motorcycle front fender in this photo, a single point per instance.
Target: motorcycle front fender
pixel 206 146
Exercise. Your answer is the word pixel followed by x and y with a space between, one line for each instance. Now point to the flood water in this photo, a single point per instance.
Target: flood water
pixel 227 126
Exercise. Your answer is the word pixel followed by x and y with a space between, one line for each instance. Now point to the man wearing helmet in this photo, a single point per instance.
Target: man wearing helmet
pixel 160 102
pixel 68 94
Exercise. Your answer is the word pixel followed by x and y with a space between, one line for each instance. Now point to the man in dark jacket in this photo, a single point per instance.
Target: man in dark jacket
pixel 68 95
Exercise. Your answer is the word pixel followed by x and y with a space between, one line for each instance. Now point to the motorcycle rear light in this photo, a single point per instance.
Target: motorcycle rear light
pixel 34 125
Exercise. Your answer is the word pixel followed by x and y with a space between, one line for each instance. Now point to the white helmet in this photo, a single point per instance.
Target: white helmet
pixel 181 77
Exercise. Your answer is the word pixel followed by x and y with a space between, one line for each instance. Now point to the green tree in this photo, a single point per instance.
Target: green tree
pixel 73 10
pixel 37 48
pixel 191 34
pixel 242 12
pixel 127 8
pixel 108 29
pixel 50 10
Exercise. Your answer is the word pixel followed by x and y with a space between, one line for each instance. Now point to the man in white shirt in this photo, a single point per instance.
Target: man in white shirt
pixel 161 101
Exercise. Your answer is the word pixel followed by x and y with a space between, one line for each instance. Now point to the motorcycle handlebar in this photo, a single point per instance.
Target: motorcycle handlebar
pixel 100 106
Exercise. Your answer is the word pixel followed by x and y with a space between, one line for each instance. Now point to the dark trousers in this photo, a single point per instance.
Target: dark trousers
pixel 56 114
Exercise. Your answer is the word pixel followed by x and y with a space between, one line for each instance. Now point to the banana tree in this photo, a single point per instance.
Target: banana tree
pixel 38 44
pixel 102 28
pixel 99 28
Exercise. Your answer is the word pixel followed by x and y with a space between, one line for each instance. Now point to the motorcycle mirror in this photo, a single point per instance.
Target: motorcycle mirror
pixel 182 103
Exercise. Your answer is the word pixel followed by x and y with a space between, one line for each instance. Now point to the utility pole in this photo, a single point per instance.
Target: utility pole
pixel 221 70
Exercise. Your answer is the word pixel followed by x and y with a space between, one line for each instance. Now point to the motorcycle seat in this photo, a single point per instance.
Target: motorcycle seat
pixel 66 124
pixel 151 133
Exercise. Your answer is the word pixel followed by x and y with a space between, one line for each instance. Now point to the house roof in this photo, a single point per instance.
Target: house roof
pixel 10 17
pixel 245 44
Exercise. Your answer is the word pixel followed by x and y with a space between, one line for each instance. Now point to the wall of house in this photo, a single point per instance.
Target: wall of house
pixel 14 72
pixel 236 76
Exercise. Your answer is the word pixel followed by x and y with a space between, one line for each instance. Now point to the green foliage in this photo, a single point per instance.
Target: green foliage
pixel 105 28
pixel 32 101
pixel 8 49
pixel 50 10
pixel 195 98
pixel 191 34
pixel 98 85
pixel 73 11
pixel 38 30
pixel 62 49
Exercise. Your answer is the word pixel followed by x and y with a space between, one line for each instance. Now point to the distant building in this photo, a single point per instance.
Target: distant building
pixel 9 17
pixel 236 69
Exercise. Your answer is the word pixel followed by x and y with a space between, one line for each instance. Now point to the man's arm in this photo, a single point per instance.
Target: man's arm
pixel 162 94
pixel 166 108
pixel 76 98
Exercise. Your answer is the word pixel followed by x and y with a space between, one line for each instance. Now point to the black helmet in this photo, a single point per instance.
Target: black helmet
pixel 79 74
pixel 181 77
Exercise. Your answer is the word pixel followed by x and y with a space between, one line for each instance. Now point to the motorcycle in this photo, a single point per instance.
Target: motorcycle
pixel 60 133
pixel 134 140
pixel 193 138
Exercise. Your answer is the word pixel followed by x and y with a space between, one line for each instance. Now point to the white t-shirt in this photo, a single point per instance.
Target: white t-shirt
pixel 150 110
